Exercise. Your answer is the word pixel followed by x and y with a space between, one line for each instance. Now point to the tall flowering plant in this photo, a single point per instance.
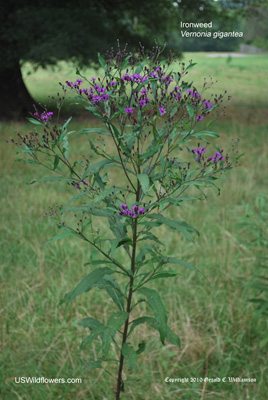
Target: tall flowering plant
pixel 150 116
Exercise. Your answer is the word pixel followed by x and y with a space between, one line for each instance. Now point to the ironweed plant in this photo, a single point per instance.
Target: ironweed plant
pixel 152 122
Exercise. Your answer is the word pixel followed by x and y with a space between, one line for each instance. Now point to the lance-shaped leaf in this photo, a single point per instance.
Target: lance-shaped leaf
pixel 144 181
pixel 113 289
pixel 34 121
pixel 52 179
pixel 114 324
pixel 173 260
pixel 165 274
pixel 155 302
pixel 205 133
pixel 86 131
pixel 190 110
pixel 179 226
pixel 89 282
pixel 96 328
pixel 130 356
pixel 152 322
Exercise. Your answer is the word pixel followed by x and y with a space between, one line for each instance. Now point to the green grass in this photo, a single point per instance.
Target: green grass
pixel 219 328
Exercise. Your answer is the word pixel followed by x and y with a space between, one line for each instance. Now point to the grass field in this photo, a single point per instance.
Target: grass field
pixel 220 330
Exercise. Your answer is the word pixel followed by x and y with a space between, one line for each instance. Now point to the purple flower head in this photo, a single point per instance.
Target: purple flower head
pixel 141 210
pixel 144 91
pixel 113 83
pixel 217 157
pixel 162 110
pixel 145 78
pixel 194 93
pixel 96 99
pixel 137 77
pixel 77 186
pixel 105 97
pixel 207 104
pixel 153 74
pixel 127 77
pixel 129 110
pixel 199 152
pixel 123 206
pixel 135 208
pixel 93 79
pixel 45 117
pixel 199 118
pixel 100 89
pixel 79 81
pixel 142 103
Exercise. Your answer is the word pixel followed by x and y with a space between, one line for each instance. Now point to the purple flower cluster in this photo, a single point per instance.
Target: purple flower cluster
pixel 176 93
pixel 199 118
pixel 133 213
pixel 199 152
pixel 134 77
pixel 129 110
pixel 77 186
pixel 207 104
pixel 217 157
pixel 162 110
pixel 95 94
pixel 193 93
pixel 74 85
pixel 45 116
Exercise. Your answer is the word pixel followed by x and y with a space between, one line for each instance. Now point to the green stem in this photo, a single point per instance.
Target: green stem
pixel 120 383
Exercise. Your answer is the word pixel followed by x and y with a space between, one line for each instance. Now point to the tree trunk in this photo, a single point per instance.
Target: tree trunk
pixel 15 100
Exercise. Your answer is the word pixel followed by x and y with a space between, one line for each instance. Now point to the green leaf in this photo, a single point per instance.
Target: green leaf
pixel 190 110
pixel 155 302
pixel 173 338
pixel 102 62
pixel 113 289
pixel 205 133
pixel 140 67
pixel 179 226
pixel 130 356
pixel 91 323
pixel 141 347
pixel 34 121
pixel 190 66
pixel 173 260
pixel 60 236
pixel 114 324
pixel 139 321
pixel 165 274
pixel 150 236
pixel 116 320
pixel 93 168
pixel 52 179
pixel 125 62
pixel 28 160
pixel 144 181
pixel 123 242
pixel 89 282
pixel 56 161
pixel 86 131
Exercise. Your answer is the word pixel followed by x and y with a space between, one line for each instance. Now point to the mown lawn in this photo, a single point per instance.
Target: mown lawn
pixel 220 330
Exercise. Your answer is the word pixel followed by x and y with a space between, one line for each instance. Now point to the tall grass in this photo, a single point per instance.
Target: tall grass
pixel 219 328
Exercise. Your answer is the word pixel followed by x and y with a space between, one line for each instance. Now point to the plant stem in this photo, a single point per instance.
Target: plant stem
pixel 120 383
